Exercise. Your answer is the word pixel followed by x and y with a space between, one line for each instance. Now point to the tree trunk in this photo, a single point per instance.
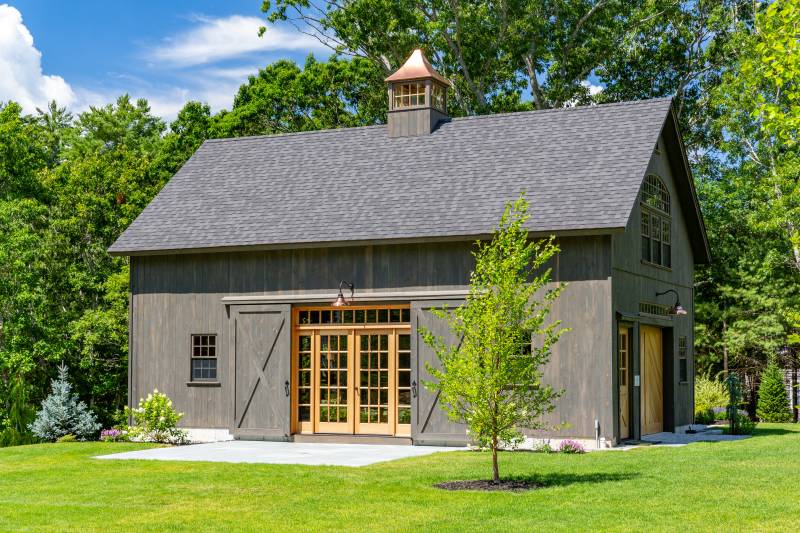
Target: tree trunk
pixel 495 467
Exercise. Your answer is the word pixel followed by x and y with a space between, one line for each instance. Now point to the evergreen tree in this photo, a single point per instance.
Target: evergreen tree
pixel 773 404
pixel 62 413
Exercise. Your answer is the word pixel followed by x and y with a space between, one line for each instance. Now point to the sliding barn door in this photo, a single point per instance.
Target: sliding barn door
pixel 652 390
pixel 261 339
pixel 429 423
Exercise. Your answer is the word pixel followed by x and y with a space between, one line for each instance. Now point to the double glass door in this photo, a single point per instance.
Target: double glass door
pixel 353 381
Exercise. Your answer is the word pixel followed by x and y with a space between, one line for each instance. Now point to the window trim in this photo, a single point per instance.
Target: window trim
pixel 662 215
pixel 683 355
pixel 210 382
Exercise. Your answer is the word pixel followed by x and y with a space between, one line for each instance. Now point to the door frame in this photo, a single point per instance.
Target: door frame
pixel 631 331
pixel 353 331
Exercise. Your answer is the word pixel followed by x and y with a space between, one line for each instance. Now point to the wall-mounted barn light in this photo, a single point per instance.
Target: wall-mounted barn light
pixel 340 300
pixel 676 309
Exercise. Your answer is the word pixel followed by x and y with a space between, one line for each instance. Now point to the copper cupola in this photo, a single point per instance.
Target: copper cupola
pixel 417 98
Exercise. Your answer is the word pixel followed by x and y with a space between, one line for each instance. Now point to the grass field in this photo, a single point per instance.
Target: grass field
pixel 734 486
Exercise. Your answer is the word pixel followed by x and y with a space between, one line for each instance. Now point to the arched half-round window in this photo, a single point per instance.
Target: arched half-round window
pixel 656 222
pixel 655 194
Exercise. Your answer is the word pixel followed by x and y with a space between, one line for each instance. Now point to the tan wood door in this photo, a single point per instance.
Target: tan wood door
pixel 375 382
pixel 652 370
pixel 334 403
pixel 623 349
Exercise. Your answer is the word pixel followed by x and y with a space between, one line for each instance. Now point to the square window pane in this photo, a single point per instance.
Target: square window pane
pixel 383 316
pixel 404 397
pixel 304 414
pixel 364 415
pixel 404 342
pixel 359 316
pixel 384 396
pixel 305 396
pixel 371 316
pixel 348 316
pixel 404 415
pixel 404 361
pixel 406 315
pixel 394 315
pixel 343 414
pixel 404 379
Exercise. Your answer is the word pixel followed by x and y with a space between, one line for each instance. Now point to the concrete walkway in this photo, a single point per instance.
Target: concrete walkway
pixel 688 438
pixel 283 453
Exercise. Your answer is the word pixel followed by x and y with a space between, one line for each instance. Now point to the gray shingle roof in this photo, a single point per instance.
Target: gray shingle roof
pixel 581 169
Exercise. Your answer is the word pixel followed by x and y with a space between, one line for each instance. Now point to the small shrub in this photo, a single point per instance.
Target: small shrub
pixel 571 446
pixel 708 395
pixel 773 402
pixel 113 435
pixel 155 420
pixel 67 438
pixel 543 447
pixel 63 414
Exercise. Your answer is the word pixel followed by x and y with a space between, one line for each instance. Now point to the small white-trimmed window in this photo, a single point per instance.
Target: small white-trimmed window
pixel 204 357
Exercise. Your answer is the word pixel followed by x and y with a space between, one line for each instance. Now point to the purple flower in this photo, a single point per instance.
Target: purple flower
pixel 111 434
pixel 570 446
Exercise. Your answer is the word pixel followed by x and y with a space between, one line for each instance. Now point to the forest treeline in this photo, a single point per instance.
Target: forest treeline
pixel 70 184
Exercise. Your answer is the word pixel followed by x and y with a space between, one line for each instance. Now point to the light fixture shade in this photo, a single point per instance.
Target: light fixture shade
pixel 678 310
pixel 340 301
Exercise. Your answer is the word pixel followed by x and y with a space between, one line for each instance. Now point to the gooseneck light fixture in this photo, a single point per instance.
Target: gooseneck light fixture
pixel 677 309
pixel 340 300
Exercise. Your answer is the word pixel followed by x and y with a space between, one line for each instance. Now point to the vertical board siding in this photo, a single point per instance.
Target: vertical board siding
pixel 635 282
pixel 175 296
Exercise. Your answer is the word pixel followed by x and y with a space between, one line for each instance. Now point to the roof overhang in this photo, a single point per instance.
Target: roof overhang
pixel 342 244
pixel 687 193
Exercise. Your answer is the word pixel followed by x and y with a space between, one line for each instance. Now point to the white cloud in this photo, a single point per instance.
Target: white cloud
pixel 593 89
pixel 217 39
pixel 21 76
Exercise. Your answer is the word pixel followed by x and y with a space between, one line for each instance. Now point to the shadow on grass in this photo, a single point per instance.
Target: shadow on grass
pixel 561 479
pixel 767 432
pixel 534 481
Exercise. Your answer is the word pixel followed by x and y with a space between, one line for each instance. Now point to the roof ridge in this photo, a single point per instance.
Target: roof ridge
pixel 454 119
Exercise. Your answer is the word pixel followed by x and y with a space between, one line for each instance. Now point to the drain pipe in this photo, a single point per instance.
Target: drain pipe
pixel 597 433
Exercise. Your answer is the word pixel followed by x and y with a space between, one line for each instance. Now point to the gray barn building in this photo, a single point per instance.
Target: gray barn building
pixel 236 263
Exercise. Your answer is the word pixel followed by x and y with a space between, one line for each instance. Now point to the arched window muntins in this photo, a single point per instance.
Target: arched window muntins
pixel 655 194
pixel 656 222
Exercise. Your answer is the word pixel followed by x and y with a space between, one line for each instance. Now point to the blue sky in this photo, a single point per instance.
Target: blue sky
pixel 89 52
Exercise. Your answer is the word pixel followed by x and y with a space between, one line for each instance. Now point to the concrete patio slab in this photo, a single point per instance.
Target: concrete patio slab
pixel 283 453
pixel 688 438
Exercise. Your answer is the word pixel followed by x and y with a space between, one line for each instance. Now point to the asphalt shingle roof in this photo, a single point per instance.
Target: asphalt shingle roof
pixel 581 169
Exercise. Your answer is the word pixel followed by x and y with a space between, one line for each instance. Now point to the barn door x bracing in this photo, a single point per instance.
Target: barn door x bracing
pixel 260 337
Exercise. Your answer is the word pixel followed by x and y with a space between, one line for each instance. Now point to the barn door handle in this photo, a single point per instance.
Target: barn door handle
pixel 414 389
pixel 286 387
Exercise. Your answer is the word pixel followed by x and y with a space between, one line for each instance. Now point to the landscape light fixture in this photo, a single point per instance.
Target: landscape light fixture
pixel 340 299
pixel 677 309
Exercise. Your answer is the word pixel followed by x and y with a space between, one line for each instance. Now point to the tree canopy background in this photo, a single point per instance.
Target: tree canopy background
pixel 70 184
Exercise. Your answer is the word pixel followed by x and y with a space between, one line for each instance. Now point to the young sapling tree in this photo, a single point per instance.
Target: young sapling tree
pixel 492 380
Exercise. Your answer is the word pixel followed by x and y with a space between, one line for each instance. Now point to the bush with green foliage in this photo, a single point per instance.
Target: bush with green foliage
pixel 156 420
pixel 67 438
pixel 708 395
pixel 63 414
pixel 773 402
pixel 14 427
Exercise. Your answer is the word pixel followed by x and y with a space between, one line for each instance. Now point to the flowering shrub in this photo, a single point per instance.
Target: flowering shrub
pixel 112 435
pixel 155 420
pixel 570 446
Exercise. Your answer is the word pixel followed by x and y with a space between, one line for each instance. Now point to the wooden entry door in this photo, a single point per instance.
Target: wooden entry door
pixel 652 371
pixel 352 371
pixel 375 382
pixel 623 364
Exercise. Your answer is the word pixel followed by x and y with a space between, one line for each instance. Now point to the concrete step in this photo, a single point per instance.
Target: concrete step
pixel 336 438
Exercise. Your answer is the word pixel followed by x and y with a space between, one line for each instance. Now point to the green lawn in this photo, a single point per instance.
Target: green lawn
pixel 747 485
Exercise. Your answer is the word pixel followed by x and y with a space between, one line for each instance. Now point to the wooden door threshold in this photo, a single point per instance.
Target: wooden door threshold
pixel 335 438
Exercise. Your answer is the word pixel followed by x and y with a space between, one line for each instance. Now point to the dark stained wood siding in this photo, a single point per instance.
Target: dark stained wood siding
pixel 635 282
pixel 175 296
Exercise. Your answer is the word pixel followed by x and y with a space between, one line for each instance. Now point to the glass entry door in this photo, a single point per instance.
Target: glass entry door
pixel 352 379
pixel 375 383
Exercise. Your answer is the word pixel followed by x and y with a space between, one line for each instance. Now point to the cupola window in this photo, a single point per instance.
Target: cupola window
pixel 409 95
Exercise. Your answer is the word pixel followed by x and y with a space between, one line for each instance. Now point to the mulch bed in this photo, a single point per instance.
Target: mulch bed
pixel 508 485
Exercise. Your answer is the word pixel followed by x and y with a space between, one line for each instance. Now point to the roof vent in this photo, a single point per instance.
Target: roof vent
pixel 417 98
